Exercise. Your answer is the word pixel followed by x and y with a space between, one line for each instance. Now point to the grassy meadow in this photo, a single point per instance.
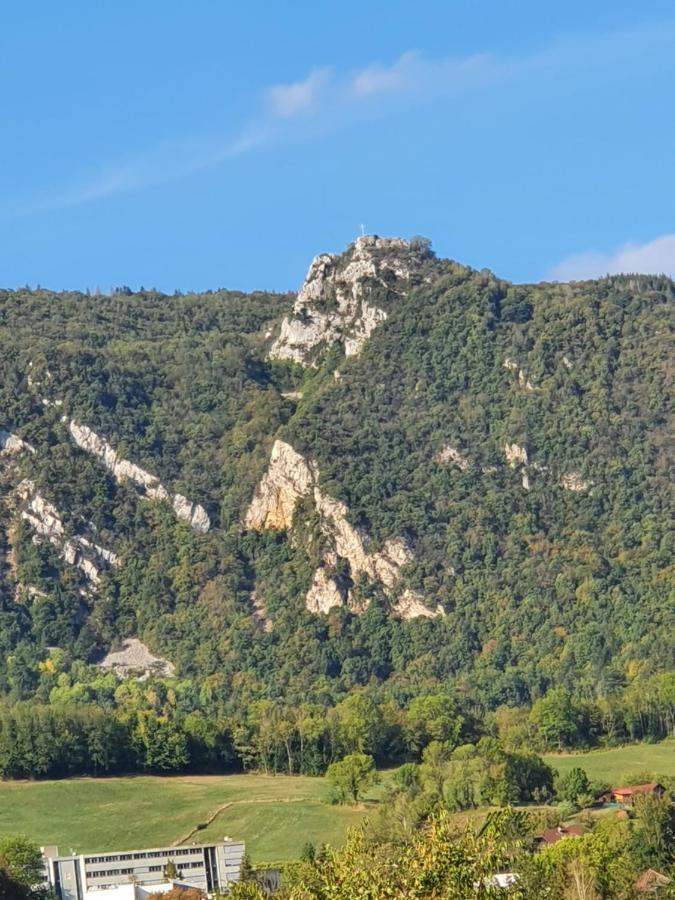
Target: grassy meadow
pixel 621 764
pixel 275 815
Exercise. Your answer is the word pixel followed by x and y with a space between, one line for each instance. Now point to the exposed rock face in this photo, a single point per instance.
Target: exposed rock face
pixel 11 444
pixel 192 513
pixel 574 481
pixel 290 478
pixel 324 593
pixel 411 606
pixel 151 487
pixel 136 659
pixel 451 456
pixel 515 455
pixel 523 379
pixel 351 545
pixel 44 519
pixel 333 305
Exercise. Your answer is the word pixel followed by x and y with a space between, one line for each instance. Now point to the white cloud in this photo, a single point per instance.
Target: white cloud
pixel 326 99
pixel 413 73
pixel 288 100
pixel 377 78
pixel 656 257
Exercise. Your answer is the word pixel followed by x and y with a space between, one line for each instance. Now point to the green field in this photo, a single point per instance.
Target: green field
pixel 616 766
pixel 275 815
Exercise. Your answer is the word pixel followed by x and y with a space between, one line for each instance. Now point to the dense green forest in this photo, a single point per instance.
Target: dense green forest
pixel 516 437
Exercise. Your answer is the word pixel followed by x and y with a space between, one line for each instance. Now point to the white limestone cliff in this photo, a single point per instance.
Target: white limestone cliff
pixel 290 478
pixel 333 304
pixel 47 525
pixel 12 444
pixel 324 593
pixel 411 606
pixel 451 456
pixel 515 455
pixel 124 470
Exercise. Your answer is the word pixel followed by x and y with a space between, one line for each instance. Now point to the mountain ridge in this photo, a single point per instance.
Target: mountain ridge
pixel 513 439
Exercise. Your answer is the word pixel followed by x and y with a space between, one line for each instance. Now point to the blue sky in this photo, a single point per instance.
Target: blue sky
pixel 212 144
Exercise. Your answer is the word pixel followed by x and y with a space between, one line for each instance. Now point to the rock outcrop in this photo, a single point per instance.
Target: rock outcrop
pixel 335 305
pixel 12 444
pixel 523 379
pixel 135 659
pixel 516 457
pixel 411 606
pixel 290 478
pixel 451 456
pixel 123 470
pixel 47 525
pixel 575 482
pixel 324 592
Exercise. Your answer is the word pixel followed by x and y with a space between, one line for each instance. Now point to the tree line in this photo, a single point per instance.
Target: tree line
pixel 106 727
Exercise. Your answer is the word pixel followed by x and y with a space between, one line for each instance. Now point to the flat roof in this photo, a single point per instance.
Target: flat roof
pixel 52 851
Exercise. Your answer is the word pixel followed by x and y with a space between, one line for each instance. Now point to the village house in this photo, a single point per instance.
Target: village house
pixel 553 835
pixel 626 795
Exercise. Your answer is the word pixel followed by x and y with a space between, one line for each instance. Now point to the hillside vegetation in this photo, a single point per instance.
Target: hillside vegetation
pixel 479 511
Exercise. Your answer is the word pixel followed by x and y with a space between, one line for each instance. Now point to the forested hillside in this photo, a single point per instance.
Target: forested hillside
pixel 412 480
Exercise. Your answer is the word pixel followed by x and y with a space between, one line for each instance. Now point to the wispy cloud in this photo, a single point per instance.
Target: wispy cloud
pixel 376 78
pixel 325 99
pixel 156 165
pixel 413 73
pixel 288 100
pixel 656 257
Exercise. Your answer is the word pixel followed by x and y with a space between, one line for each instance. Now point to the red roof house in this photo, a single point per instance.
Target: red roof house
pixel 553 835
pixel 627 795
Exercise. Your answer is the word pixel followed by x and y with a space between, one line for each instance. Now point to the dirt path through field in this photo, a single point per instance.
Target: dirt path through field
pixel 212 818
